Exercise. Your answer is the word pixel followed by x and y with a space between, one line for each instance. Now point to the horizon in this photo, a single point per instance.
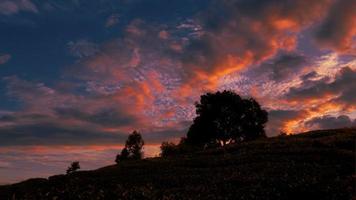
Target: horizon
pixel 77 77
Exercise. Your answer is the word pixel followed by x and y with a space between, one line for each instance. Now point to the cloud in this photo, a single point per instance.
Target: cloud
pixel 284 66
pixel 50 116
pixel 278 120
pixel 141 79
pixel 39 99
pixel 54 134
pixel 33 96
pixel 309 76
pixel 8 7
pixel 150 75
pixel 163 35
pixel 341 88
pixel 124 83
pixel 7 118
pixel 331 122
pixel 4 58
pixel 105 116
pixel 160 85
pixel 338 30
pixel 248 32
pixel 82 48
pixel 49 130
pixel 112 20
pixel 4 164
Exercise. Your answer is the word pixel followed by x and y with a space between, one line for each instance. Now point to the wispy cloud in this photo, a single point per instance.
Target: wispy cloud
pixel 4 58
pixel 112 20
pixel 9 7
pixel 82 48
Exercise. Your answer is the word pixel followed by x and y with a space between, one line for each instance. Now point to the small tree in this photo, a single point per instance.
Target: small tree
pixel 134 145
pixel 73 167
pixel 133 148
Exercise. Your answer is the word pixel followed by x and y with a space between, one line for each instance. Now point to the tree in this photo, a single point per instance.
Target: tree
pixel 73 167
pixel 134 145
pixel 124 155
pixel 133 148
pixel 168 149
pixel 225 117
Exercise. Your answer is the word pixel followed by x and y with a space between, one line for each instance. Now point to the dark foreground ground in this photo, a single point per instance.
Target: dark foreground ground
pixel 319 165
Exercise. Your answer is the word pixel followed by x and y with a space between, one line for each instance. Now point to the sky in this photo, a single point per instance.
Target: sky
pixel 77 76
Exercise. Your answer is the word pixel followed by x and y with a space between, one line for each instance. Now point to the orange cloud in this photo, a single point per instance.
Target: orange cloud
pixel 248 36
pixel 338 30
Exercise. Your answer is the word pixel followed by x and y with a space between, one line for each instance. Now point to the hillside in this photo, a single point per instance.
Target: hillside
pixel 317 165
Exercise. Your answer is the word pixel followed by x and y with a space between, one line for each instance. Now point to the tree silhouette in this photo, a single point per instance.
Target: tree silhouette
pixel 133 148
pixel 172 149
pixel 168 149
pixel 73 167
pixel 224 117
pixel 124 155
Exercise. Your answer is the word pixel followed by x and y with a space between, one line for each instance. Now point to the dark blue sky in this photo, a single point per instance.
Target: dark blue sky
pixel 38 41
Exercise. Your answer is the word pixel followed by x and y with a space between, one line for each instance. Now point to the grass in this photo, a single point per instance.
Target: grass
pixel 314 165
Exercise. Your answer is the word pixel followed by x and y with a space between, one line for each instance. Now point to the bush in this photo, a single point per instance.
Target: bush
pixel 168 149
pixel 183 147
pixel 73 167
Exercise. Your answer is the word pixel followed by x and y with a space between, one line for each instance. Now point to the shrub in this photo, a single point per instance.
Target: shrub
pixel 183 147
pixel 73 167
pixel 168 149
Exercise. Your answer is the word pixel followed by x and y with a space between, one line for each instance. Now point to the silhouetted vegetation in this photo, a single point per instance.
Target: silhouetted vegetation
pixel 133 148
pixel 282 134
pixel 225 117
pixel 168 149
pixel 73 167
pixel 183 147
pixel 315 165
pixel 222 117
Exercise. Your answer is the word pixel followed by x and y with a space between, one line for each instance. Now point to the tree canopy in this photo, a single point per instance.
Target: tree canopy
pixel 224 117
pixel 133 148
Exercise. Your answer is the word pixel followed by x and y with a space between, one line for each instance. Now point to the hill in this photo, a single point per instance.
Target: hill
pixel 313 165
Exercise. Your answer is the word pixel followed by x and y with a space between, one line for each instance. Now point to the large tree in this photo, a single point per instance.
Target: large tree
pixel 224 117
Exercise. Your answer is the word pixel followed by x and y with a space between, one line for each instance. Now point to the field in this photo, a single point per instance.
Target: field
pixel 317 165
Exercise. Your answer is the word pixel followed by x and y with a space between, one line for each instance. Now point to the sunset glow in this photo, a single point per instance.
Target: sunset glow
pixel 78 76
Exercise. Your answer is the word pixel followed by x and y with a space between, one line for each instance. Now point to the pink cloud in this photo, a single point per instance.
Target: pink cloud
pixel 8 7
pixel 112 20
pixel 4 58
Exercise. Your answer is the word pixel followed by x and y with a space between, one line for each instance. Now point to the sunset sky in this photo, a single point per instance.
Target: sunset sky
pixel 77 76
